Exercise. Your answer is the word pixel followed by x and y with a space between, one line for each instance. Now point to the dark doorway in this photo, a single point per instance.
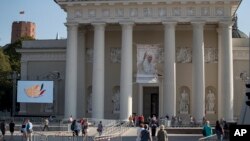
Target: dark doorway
pixel 150 101
pixel 154 104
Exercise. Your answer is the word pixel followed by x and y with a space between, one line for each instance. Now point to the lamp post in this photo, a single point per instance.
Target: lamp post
pixel 54 76
pixel 14 77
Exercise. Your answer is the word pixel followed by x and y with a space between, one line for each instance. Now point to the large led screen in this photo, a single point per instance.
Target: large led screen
pixel 35 91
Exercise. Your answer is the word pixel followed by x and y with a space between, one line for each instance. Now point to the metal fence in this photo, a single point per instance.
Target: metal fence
pixel 209 138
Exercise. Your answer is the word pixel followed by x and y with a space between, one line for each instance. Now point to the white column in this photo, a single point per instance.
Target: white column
pixel 71 72
pixel 220 76
pixel 169 94
pixel 98 71
pixel 140 100
pixel 126 71
pixel 81 87
pixel 161 100
pixel 198 97
pixel 227 69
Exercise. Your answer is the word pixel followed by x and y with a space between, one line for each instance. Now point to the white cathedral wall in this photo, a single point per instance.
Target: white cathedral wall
pixel 239 85
pixel 150 36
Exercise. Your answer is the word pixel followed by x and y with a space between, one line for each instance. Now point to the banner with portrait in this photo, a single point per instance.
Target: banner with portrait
pixel 147 62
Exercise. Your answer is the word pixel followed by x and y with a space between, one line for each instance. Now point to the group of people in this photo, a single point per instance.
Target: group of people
pixel 27 129
pixel 79 125
pixel 143 133
pixel 3 128
pixel 219 129
pixel 136 120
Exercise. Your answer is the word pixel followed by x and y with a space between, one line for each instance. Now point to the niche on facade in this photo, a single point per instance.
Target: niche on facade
pixel 184 100
pixel 116 99
pixel 89 55
pixel 89 99
pixel 210 100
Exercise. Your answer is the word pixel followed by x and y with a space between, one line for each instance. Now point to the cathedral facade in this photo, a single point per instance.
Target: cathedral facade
pixel 158 57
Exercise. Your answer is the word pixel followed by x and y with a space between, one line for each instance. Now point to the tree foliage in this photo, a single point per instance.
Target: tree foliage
pixel 14 56
pixel 9 62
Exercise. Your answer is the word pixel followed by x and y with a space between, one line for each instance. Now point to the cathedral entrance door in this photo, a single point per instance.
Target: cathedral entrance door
pixel 150 101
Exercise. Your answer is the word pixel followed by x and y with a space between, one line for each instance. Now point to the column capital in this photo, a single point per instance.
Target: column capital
pixel 81 30
pixel 128 22
pixel 218 30
pixel 98 23
pixel 71 24
pixel 226 24
pixel 198 23
pixel 169 23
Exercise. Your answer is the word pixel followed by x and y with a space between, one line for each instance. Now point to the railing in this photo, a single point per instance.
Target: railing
pixel 209 138
pixel 39 137
pixel 113 132
pixel 178 123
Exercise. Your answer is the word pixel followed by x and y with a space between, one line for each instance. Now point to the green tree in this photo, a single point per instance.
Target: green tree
pixel 4 62
pixel 5 83
pixel 14 56
pixel 9 62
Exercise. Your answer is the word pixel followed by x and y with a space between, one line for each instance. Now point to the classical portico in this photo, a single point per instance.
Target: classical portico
pixel 197 19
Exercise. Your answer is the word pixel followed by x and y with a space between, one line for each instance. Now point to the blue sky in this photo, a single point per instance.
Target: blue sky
pixel 50 18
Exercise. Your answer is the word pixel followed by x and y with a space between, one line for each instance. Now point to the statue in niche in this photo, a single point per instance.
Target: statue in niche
pixel 89 103
pixel 89 55
pixel 184 102
pixel 116 101
pixel 210 104
pixel 115 54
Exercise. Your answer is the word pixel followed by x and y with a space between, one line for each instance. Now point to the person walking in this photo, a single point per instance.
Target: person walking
pixel 46 124
pixel 207 130
pixel 73 127
pixel 140 128
pixel 23 129
pixel 145 134
pixel 85 127
pixel 100 128
pixel 3 128
pixel 153 127
pixel 162 134
pixel 29 129
pixel 219 131
pixel 11 128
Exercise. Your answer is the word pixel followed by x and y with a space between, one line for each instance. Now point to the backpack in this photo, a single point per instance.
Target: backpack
pixel 72 127
pixel 204 132
pixel 28 128
pixel 145 134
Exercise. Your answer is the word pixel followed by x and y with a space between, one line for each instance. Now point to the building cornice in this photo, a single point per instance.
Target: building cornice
pixel 148 11
pixel 39 54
